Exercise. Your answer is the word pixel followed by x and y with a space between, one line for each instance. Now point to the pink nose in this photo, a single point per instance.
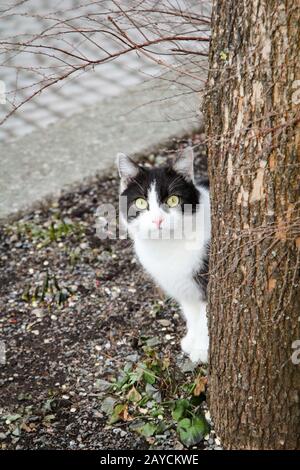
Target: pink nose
pixel 158 221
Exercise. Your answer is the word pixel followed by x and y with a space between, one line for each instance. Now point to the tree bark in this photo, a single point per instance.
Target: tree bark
pixel 252 124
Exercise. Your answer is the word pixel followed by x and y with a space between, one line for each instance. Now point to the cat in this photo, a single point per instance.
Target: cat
pixel 168 218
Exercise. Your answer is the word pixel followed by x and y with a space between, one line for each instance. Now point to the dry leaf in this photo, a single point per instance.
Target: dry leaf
pixel 200 383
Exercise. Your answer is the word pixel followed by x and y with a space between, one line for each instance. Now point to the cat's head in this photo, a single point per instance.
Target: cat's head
pixel 155 201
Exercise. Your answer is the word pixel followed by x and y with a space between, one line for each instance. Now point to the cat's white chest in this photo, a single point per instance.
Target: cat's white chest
pixel 172 266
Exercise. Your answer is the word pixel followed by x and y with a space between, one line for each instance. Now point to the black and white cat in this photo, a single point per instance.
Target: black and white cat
pixel 168 218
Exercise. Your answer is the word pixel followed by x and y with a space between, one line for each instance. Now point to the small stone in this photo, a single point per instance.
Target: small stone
pixel 53 317
pixel 217 441
pixel 132 357
pixel 73 410
pixel 164 322
pixel 38 312
pixel 35 332
pixel 123 433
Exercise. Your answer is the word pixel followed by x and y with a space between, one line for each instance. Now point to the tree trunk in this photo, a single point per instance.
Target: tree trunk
pixel 252 109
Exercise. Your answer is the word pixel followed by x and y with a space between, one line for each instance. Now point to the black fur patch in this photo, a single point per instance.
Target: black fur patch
pixel 168 182
pixel 201 277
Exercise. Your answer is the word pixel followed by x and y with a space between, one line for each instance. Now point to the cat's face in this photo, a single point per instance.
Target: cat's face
pixel 156 202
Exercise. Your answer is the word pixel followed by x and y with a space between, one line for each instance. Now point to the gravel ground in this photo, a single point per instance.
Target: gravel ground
pixel 72 311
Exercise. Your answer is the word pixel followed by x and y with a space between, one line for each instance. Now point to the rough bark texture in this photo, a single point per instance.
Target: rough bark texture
pixel 252 108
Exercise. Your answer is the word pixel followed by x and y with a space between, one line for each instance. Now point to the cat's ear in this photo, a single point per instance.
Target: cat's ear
pixel 184 164
pixel 128 169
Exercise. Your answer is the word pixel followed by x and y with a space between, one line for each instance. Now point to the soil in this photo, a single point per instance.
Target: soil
pixel 72 310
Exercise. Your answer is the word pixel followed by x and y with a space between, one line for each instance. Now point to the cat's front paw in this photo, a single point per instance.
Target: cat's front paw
pixel 196 354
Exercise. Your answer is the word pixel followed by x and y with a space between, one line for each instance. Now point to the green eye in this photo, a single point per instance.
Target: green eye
pixel 141 203
pixel 173 201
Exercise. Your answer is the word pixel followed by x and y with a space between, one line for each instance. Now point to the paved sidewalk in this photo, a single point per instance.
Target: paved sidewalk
pixel 21 69
pixel 46 161
pixel 72 95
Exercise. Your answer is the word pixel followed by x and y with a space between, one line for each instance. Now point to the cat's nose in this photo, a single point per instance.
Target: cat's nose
pixel 158 221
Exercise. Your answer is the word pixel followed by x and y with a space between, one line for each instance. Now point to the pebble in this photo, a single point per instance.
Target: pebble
pixel 38 312
pixel 164 322
pixel 132 357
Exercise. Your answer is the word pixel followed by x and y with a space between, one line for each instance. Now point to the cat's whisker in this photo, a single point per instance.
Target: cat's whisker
pixel 138 185
pixel 173 184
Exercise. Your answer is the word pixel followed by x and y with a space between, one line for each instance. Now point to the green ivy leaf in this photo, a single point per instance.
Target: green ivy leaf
pixel 133 395
pixel 181 406
pixel 148 430
pixel 192 431
pixel 149 377
pixel 118 411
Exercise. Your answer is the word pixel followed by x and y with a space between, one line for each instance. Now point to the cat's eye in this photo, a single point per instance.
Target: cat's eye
pixel 173 201
pixel 141 203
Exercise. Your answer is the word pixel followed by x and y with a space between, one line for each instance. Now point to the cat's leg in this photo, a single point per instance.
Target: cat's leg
pixel 195 342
